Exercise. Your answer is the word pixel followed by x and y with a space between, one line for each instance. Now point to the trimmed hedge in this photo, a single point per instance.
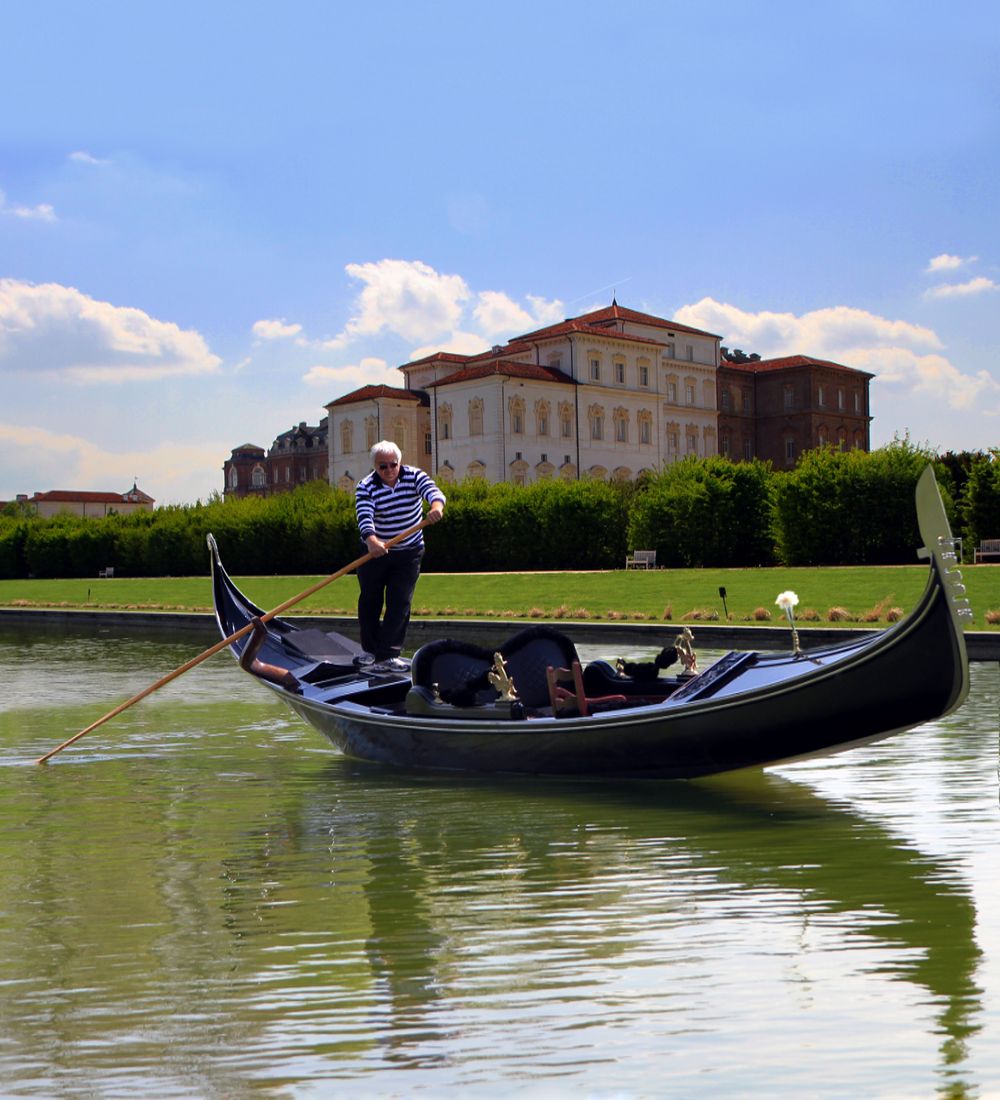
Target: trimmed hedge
pixel 834 508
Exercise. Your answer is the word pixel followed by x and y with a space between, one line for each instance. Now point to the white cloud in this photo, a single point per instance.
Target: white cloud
pixel 36 460
pixel 497 314
pixel 43 212
pixel 946 262
pixel 460 343
pixel 370 371
pixel 53 328
pixel 900 354
pixel 275 330
pixel 824 333
pixel 408 298
pixel 81 156
pixel 979 285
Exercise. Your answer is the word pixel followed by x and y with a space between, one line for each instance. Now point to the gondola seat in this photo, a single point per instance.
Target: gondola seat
pixel 573 700
pixel 459 671
pixel 601 678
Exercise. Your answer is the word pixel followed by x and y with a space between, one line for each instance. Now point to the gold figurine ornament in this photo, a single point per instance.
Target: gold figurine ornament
pixel 685 650
pixel 501 681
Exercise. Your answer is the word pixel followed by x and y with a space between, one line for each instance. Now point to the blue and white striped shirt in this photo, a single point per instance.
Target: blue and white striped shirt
pixel 385 511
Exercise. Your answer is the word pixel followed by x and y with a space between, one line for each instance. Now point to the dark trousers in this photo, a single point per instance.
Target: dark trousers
pixel 387 581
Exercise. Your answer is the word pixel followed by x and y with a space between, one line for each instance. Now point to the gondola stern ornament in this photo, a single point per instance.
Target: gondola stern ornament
pixel 787 601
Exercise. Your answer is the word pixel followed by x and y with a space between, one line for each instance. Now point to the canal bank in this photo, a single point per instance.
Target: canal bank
pixel 982 645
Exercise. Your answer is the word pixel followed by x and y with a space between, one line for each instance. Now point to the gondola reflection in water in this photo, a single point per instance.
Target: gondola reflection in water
pixel 499 711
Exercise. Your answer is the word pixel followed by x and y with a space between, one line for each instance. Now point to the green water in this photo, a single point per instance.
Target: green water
pixel 201 899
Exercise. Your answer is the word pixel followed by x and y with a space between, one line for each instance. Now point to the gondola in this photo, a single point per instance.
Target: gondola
pixel 504 709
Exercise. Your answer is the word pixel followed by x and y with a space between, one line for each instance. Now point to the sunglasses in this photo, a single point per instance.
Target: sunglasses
pixel 387 465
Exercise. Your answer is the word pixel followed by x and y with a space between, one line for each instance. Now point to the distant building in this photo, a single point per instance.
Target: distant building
pixel 80 503
pixel 295 457
pixel 776 409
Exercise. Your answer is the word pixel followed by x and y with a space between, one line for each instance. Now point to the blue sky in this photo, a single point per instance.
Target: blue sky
pixel 217 217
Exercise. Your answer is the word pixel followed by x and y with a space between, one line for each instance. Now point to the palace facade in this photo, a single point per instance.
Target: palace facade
pixel 609 394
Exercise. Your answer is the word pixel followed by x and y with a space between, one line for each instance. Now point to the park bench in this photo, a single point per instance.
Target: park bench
pixel 641 559
pixel 109 572
pixel 988 548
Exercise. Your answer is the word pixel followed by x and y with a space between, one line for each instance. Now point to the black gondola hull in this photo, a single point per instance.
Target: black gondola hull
pixel 773 708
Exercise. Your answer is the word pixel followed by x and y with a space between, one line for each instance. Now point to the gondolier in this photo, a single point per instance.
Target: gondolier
pixel 387 502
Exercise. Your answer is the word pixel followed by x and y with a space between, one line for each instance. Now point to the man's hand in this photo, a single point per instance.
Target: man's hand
pixel 436 512
pixel 376 547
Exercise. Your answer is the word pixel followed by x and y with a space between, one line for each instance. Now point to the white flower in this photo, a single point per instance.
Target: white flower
pixel 786 601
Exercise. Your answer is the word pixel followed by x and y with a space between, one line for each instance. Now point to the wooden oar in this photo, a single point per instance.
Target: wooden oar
pixel 228 641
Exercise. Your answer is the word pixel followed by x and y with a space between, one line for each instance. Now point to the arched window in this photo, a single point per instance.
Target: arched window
pixel 234 477
pixel 595 414
pixel 515 408
pixel 444 421
pixel 371 432
pixel 258 477
pixel 645 419
pixel 519 472
pixel 565 420
pixel 621 424
pixel 346 437
pixel 542 412
pixel 476 416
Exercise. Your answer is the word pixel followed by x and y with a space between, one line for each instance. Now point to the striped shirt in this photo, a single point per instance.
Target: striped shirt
pixel 385 511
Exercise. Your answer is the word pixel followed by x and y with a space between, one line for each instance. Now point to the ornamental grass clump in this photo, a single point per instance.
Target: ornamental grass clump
pixel 839 615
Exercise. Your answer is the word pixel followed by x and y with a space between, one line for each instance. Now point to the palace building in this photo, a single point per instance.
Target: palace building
pixel 609 394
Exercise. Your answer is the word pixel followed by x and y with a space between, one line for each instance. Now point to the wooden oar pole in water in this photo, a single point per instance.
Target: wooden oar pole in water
pixel 188 665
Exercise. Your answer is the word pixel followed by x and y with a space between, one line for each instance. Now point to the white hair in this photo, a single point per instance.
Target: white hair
pixel 386 447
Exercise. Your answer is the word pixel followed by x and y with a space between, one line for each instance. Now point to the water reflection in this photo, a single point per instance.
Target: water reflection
pixel 204 901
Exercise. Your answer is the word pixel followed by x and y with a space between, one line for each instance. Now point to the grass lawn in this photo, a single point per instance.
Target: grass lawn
pixel 867 593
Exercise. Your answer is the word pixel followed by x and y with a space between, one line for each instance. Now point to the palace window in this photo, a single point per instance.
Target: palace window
pixel 516 408
pixel 596 417
pixel 444 423
pixel 645 419
pixel 542 411
pixel 620 372
pixel 476 416
pixel 643 374
pixel 621 425
pixel 346 437
pixel 566 420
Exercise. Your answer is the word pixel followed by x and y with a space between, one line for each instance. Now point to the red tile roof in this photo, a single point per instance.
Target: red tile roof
pixel 603 318
pixel 371 393
pixel 437 357
pixel 56 496
pixel 508 369
pixel 787 362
